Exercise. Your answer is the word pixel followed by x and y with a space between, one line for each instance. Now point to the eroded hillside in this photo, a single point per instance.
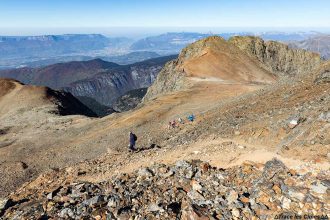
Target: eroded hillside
pixel 244 111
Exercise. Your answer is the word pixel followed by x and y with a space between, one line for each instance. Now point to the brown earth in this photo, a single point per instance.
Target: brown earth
pixel 237 116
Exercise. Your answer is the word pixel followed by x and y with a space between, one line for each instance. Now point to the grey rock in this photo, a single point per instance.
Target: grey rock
pixel 3 203
pixel 145 172
pixel 154 208
pixel 273 168
pixel 66 213
pixel 319 188
pixel 93 201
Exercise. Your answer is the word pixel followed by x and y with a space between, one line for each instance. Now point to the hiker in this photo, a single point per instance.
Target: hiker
pixel 132 140
pixel 180 120
pixel 173 124
pixel 169 125
pixel 191 117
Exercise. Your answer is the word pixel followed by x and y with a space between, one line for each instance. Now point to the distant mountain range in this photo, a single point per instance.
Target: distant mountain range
pixel 37 51
pixel 319 44
pixel 174 42
pixel 167 43
pixel 100 80
pixel 17 50
pixel 51 45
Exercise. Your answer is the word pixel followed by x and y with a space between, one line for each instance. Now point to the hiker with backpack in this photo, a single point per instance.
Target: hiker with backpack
pixel 191 117
pixel 132 140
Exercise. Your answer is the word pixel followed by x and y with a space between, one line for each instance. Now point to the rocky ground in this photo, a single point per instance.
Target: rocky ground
pixel 186 190
pixel 84 163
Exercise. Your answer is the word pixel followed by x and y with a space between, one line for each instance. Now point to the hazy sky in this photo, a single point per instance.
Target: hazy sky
pixel 19 16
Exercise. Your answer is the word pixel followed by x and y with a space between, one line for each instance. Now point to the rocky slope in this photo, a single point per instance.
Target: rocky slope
pixel 277 57
pixel 129 100
pixel 16 97
pixel 208 59
pixel 186 190
pixel 218 59
pixel 239 117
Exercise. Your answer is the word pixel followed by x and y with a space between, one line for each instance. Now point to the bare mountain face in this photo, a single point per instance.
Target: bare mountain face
pixel 58 75
pixel 246 114
pixel 319 44
pixel 16 97
pixel 97 79
pixel 278 57
pixel 240 60
pixel 107 86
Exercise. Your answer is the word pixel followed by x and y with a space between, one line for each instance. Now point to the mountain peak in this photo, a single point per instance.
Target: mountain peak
pixel 241 60
pixel 15 96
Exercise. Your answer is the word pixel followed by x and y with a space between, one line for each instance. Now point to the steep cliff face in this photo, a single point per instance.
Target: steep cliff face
pixel 169 79
pixel 277 57
pixel 97 79
pixel 106 87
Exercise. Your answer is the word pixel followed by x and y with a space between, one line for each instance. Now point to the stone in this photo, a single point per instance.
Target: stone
pixel 154 208
pixel 274 167
pixel 294 121
pixel 319 188
pixel 232 197
pixel 237 133
pixel 277 189
pixel 50 196
pixel 286 203
pixel 248 191
pixel 244 199
pixel 113 201
pixel 193 213
pixel 66 213
pixel 196 186
pixel 93 201
pixel 3 204
pixel 144 172
pixel 235 212
pixel 194 195
pixel 297 195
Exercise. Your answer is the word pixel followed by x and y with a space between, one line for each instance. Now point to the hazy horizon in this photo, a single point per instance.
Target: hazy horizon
pixel 139 32
pixel 144 17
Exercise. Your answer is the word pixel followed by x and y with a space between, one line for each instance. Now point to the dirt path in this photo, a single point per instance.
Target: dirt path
pixel 219 152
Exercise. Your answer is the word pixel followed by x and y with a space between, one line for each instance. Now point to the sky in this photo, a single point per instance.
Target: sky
pixel 20 17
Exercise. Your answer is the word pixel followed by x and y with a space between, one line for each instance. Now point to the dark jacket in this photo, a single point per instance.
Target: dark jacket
pixel 132 138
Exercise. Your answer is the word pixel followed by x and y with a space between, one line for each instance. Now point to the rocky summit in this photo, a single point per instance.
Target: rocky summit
pixel 186 190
